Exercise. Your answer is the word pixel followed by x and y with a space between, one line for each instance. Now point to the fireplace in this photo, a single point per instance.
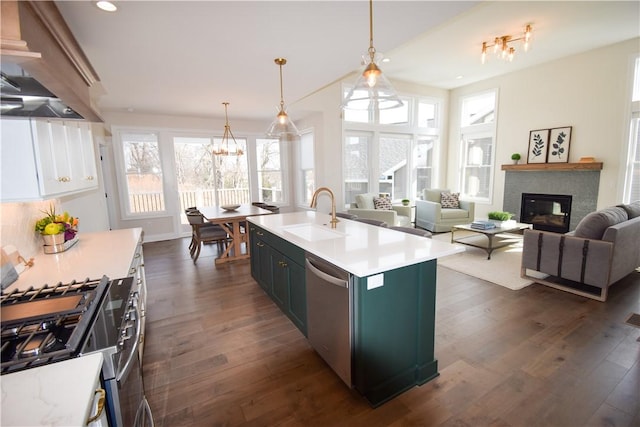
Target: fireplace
pixel 547 212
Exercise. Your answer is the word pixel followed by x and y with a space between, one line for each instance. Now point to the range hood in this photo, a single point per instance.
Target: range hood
pixel 24 96
pixel 44 72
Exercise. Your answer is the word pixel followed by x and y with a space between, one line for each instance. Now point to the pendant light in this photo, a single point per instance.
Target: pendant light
pixel 372 89
pixel 282 126
pixel 223 149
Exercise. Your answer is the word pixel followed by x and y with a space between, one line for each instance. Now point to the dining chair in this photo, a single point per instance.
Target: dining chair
pixel 201 233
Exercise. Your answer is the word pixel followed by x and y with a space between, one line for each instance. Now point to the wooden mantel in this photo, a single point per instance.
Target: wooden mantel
pixel 553 166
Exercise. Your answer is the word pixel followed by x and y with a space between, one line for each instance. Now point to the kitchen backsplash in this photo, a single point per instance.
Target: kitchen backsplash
pixel 17 222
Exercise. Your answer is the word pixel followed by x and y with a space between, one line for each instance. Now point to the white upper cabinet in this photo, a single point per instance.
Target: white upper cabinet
pixel 46 158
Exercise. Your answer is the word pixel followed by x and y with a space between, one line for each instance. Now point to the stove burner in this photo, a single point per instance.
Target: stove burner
pixel 38 345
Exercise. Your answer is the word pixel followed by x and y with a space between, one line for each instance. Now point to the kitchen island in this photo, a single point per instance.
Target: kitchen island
pixel 392 282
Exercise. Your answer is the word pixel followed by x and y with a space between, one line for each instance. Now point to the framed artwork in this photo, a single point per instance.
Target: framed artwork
pixel 538 145
pixel 559 141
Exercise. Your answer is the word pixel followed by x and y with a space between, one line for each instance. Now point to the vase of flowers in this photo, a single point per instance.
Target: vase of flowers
pixel 58 231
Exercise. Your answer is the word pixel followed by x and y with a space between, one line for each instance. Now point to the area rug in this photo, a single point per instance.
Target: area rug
pixel 502 269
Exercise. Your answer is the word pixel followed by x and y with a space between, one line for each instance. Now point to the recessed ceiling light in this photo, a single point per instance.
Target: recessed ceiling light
pixel 107 6
pixel 459 77
pixel 386 59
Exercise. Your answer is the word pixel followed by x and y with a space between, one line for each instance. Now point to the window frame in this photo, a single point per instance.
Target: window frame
pixel 481 130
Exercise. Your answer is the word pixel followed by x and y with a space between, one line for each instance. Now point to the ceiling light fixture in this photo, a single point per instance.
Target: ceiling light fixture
pixel 282 126
pixel 107 6
pixel 372 89
pixel 221 148
pixel 501 45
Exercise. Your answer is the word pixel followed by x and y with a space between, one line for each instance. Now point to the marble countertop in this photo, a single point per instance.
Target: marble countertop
pixel 358 248
pixel 45 396
pixel 96 254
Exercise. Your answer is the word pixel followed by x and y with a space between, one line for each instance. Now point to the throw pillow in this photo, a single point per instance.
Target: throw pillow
pixel 633 209
pixel 450 200
pixel 593 225
pixel 383 203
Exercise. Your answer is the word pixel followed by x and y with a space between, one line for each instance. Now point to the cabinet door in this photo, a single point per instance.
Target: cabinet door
pixel 18 173
pixel 265 269
pixel 87 162
pixel 51 154
pixel 281 281
pixel 297 295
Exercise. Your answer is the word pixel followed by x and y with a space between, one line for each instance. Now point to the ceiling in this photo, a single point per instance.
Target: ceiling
pixel 185 58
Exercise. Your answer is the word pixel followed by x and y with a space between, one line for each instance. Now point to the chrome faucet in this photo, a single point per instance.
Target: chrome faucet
pixel 314 202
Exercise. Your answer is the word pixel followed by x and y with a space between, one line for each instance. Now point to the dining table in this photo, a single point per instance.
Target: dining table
pixel 233 221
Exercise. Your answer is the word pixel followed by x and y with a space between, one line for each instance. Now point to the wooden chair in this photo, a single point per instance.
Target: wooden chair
pixel 203 233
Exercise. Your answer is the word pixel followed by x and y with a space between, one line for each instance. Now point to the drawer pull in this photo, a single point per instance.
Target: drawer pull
pixel 101 397
pixel 259 233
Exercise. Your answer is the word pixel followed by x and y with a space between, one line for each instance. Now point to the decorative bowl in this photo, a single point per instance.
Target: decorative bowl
pixel 230 208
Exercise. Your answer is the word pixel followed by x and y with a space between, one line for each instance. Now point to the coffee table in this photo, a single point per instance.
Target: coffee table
pixel 493 240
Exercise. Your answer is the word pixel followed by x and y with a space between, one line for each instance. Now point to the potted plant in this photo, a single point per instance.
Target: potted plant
pixel 516 158
pixel 501 218
pixel 56 229
pixel 405 202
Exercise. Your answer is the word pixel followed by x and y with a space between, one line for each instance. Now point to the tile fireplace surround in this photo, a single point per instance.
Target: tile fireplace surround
pixel 581 184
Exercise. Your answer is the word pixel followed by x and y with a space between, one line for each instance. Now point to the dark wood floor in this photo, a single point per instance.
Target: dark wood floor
pixel 219 353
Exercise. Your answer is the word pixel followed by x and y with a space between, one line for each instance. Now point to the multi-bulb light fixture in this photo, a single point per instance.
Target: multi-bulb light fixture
pixel 222 148
pixel 502 48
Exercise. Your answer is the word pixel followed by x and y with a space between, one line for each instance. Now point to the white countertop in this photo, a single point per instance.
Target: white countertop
pixel 358 248
pixel 58 394
pixel 96 254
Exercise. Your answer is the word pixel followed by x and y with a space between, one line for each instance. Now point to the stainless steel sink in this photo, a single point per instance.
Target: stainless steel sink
pixel 313 232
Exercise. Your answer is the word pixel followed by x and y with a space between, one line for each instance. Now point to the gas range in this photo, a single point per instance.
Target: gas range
pixel 49 324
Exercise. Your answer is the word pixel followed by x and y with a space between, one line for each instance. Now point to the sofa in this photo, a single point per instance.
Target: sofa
pixel 601 250
pixel 432 216
pixel 393 215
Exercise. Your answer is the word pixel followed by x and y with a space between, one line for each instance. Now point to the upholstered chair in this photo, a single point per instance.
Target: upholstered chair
pixel 393 215
pixel 441 209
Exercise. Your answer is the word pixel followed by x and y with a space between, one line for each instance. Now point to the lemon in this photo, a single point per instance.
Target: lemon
pixel 53 228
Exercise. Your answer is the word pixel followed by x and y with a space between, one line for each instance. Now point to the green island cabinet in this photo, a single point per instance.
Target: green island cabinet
pixel 393 325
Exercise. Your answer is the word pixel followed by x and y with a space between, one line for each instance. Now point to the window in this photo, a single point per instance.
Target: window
pixel 143 173
pixel 306 181
pixel 393 151
pixel 356 166
pixel 270 182
pixel 632 180
pixel 478 142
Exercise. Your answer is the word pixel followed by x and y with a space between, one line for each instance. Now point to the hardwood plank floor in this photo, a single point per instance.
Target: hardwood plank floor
pixel 218 352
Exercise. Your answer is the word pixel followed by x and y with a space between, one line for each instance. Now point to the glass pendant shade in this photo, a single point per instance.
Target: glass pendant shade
pixel 282 127
pixel 372 90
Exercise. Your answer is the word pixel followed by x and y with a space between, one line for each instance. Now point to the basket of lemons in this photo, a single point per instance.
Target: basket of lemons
pixel 58 231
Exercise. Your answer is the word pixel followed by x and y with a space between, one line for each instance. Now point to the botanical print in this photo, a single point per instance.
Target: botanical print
pixel 559 141
pixel 538 145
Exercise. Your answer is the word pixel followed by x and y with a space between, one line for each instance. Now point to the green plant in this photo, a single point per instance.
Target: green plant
pixel 515 156
pixel 500 216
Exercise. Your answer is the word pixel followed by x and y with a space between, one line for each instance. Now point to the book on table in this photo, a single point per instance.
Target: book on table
pixel 483 225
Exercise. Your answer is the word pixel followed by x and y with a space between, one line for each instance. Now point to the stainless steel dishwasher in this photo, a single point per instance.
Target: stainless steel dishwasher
pixel 329 325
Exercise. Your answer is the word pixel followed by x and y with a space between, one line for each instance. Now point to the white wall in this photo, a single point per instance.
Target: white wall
pixel 590 92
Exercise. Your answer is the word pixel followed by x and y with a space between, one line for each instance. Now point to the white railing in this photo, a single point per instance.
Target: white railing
pixel 154 202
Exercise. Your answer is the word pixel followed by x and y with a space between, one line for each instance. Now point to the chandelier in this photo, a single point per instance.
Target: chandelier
pixel 282 126
pixel 222 148
pixel 501 46
pixel 372 89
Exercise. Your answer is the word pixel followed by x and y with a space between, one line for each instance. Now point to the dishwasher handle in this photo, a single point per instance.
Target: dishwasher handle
pixel 326 277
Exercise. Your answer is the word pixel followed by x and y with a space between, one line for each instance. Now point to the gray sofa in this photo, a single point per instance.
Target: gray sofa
pixel 602 249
